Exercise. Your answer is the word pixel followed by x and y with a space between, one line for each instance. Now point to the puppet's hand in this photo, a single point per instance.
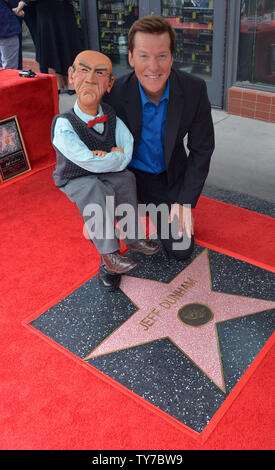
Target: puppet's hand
pixel 117 149
pixel 99 153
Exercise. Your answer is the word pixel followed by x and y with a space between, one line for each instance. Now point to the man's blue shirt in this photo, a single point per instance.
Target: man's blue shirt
pixel 149 155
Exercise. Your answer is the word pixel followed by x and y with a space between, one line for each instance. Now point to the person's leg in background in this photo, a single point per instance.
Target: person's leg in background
pixel 9 52
pixel 20 53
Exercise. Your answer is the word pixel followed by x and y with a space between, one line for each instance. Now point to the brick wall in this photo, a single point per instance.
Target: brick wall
pixel 30 64
pixel 33 65
pixel 251 103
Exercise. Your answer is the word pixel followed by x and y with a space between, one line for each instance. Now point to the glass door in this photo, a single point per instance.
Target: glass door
pixel 114 21
pixel 194 27
pixel 200 28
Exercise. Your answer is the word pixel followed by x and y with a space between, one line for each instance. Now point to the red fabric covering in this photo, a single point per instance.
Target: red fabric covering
pixel 49 398
pixel 236 232
pixel 35 102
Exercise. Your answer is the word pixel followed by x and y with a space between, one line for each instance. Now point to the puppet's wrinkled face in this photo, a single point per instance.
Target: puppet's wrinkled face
pixel 91 76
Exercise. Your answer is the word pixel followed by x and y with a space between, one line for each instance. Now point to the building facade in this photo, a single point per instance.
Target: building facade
pixel 229 43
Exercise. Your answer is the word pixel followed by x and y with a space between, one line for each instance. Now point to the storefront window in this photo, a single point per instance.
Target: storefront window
pixel 193 23
pixel 114 21
pixel 256 60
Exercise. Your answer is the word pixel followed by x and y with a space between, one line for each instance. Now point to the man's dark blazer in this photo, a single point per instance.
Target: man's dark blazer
pixel 188 113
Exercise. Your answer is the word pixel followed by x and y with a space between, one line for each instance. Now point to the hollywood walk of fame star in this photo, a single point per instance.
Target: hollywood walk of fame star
pixel 186 311
pixel 6 139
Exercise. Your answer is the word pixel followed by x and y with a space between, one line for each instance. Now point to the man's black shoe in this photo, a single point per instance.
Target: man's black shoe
pixel 147 247
pixel 108 281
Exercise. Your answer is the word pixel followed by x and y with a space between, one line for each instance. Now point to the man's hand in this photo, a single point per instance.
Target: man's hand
pixel 20 13
pixel 185 218
pixel 19 9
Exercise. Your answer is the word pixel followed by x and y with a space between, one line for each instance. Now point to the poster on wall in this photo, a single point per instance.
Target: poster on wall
pixel 13 156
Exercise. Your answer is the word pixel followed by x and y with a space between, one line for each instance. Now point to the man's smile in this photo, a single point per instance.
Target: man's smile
pixel 153 77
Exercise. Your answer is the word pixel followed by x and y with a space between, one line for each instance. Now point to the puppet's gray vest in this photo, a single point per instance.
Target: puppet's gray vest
pixel 65 169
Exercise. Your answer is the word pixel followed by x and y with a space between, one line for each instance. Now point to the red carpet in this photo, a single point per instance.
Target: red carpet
pixel 48 400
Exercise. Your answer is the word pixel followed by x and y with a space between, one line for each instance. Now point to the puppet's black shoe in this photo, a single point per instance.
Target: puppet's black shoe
pixel 147 247
pixel 108 281
pixel 116 263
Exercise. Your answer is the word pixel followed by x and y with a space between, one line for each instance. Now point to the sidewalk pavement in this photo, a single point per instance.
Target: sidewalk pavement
pixel 244 156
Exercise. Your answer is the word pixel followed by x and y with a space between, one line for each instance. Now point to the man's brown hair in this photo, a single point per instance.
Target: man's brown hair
pixel 152 25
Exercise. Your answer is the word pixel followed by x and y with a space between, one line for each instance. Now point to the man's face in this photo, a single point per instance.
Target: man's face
pixel 91 77
pixel 152 61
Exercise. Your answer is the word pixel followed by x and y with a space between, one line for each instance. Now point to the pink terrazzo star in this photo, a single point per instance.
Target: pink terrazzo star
pixel 186 311
pixel 6 139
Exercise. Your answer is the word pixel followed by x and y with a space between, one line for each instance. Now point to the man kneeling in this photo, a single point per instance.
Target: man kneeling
pixel 93 149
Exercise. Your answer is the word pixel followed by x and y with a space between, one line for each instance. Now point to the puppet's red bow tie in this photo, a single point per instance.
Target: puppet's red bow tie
pixel 93 122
